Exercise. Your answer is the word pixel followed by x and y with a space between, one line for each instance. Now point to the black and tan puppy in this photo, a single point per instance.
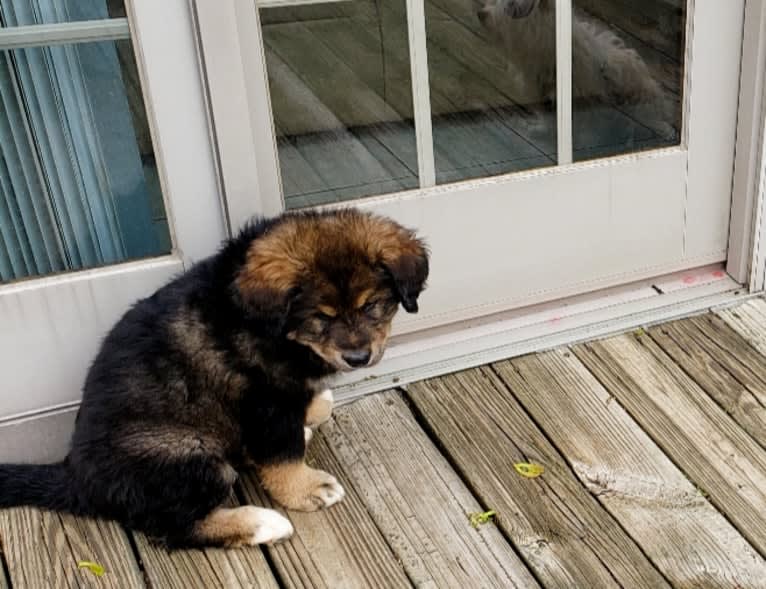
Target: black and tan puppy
pixel 225 365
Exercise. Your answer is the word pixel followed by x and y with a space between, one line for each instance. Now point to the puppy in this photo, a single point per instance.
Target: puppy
pixel 604 69
pixel 224 366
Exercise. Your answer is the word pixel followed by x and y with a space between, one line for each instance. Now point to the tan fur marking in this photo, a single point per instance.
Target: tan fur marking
pixel 298 486
pixel 242 526
pixel 276 260
pixel 327 310
pixel 230 527
pixel 319 411
pixel 363 297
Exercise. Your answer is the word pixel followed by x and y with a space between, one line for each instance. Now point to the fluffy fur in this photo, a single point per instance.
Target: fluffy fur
pixel 604 69
pixel 224 366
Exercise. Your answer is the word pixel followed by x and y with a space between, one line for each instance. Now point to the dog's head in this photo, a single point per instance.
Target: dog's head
pixel 333 282
pixel 489 10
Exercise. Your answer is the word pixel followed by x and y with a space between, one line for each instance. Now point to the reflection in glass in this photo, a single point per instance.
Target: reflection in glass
pixel 341 94
pixel 628 68
pixel 78 179
pixel 493 110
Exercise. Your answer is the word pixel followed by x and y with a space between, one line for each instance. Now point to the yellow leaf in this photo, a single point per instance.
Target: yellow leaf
pixel 93 567
pixel 478 519
pixel 529 470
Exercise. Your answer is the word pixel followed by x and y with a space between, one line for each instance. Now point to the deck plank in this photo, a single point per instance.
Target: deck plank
pixel 417 500
pixel 337 548
pixel 725 365
pixel 749 321
pixel 679 530
pixel 42 549
pixel 707 444
pixel 211 567
pixel 562 532
pixel 344 93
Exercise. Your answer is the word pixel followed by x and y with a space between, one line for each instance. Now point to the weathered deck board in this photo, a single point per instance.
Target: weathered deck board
pixel 42 549
pixel 212 567
pixel 337 548
pixel 725 365
pixel 679 530
pixel 417 500
pixel 748 320
pixel 562 532
pixel 688 425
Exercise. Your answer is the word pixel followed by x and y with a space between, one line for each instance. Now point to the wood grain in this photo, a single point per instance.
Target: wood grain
pixel 337 548
pixel 694 432
pixel 417 500
pixel 748 320
pixel 211 567
pixel 685 537
pixel 563 533
pixel 42 549
pixel 726 366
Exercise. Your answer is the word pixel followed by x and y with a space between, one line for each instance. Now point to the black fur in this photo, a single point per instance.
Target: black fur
pixel 238 388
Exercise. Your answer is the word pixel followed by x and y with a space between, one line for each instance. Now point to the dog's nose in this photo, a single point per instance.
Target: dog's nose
pixel 357 358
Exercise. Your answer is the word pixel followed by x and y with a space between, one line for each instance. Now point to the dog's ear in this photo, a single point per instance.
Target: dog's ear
pixel 520 8
pixel 267 284
pixel 405 259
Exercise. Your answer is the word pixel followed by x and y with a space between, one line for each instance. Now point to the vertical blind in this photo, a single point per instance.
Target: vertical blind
pixel 73 182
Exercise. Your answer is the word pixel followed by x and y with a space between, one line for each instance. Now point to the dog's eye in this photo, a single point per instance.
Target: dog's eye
pixel 370 308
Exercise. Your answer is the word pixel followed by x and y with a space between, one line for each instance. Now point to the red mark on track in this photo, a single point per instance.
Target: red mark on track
pixel 689 279
pixel 555 320
pixel 719 274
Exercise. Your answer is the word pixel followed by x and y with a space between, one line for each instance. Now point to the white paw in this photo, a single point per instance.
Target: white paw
pixel 269 526
pixel 326 395
pixel 330 492
pixel 308 433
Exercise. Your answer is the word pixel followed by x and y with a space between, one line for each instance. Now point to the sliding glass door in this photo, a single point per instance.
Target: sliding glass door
pixel 544 147
pixel 101 200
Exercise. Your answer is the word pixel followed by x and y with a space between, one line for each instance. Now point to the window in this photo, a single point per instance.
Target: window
pixel 78 179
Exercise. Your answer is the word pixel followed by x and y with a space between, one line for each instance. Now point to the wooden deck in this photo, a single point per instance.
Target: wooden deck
pixel 654 449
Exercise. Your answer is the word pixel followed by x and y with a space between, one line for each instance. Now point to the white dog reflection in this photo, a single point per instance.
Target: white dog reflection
pixel 605 69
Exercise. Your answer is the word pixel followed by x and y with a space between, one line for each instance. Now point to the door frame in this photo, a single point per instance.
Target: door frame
pixel 243 130
pixel 747 237
pixel 59 320
pixel 248 158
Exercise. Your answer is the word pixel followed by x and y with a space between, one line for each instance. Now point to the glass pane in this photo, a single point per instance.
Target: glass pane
pixel 34 12
pixel 341 94
pixel 492 66
pixel 78 180
pixel 628 72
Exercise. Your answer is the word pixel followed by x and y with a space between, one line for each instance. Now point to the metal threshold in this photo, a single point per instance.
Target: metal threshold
pixel 467 344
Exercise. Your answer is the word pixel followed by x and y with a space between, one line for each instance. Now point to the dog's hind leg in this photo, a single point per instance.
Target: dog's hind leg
pixel 241 526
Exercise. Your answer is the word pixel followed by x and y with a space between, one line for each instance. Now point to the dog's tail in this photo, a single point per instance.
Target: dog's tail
pixel 36 485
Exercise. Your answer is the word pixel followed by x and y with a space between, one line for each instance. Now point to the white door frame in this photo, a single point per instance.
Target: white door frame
pixel 747 243
pixel 52 326
pixel 245 136
pixel 420 356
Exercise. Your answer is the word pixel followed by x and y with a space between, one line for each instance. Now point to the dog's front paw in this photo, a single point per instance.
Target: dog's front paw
pixel 301 488
pixel 320 408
